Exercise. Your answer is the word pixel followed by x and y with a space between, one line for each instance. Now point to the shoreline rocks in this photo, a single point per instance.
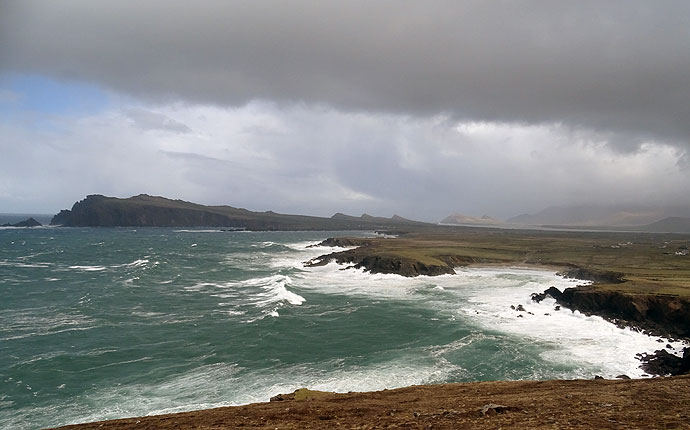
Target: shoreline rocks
pixel 662 363
pixel 655 314
pixel 667 316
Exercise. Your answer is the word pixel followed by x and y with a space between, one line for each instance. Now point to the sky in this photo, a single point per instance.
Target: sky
pixel 420 109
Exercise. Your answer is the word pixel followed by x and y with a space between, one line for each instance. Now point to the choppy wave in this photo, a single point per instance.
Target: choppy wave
pixel 221 384
pixel 266 294
pixel 199 231
pixel 160 327
pixel 484 297
pixel 88 268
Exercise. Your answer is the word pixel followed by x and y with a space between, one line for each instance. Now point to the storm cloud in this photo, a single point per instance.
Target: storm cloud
pixel 616 66
pixel 415 108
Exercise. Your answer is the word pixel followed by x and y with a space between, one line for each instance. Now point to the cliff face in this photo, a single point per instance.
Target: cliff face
pixel 664 315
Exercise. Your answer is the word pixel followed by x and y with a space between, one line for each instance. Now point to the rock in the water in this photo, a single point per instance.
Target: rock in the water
pixel 549 292
pixel 31 222
pixel 663 363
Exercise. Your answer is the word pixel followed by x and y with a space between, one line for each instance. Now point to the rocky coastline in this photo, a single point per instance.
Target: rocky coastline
pixel 655 314
pixel 659 315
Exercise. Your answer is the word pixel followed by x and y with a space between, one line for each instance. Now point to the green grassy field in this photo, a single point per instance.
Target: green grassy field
pixel 648 261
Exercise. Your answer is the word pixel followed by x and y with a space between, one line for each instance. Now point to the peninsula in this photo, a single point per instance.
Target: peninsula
pixel 154 211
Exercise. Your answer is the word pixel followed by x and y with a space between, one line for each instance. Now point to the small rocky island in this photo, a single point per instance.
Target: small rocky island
pixel 31 222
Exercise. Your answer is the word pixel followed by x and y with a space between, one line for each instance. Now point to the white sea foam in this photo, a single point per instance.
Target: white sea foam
pixel 28 323
pixel 89 268
pixel 198 231
pixel 136 263
pixel 484 296
pixel 266 294
pixel 24 265
pixel 274 290
pixel 204 387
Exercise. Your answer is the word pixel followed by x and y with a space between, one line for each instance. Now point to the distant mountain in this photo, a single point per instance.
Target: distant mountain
pixel 460 219
pixel 599 216
pixel 669 225
pixel 153 211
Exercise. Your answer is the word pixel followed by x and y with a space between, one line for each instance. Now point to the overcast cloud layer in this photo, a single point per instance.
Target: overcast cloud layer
pixel 421 108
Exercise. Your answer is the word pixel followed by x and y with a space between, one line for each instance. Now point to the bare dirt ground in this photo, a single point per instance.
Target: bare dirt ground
pixel 658 403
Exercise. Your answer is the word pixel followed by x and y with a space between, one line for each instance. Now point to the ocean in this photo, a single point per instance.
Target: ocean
pixel 102 323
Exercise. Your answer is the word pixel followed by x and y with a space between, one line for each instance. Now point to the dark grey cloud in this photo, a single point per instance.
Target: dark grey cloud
pixel 621 67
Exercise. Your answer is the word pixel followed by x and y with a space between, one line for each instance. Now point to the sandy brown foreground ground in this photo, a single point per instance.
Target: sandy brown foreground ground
pixel 659 403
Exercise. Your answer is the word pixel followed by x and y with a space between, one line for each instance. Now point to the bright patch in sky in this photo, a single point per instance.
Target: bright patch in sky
pixel 40 94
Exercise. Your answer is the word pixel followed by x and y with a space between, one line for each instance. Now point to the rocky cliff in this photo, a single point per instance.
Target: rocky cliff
pixel 660 314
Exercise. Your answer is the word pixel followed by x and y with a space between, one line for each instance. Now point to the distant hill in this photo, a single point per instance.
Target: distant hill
pixel 459 219
pixel 669 225
pixel 599 216
pixel 153 211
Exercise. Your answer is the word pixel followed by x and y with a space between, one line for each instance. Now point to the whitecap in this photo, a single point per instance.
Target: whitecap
pixel 88 268
pixel 198 231
pixel 483 297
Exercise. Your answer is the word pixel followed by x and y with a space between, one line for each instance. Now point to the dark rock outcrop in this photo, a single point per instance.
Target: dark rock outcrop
pixel 599 276
pixel 62 218
pixel 658 314
pixel 343 242
pixel 31 222
pixel 552 292
pixel 409 268
pixel 663 363
pixel 381 263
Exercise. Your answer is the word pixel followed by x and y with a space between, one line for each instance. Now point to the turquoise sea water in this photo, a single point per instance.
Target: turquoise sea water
pixel 108 323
